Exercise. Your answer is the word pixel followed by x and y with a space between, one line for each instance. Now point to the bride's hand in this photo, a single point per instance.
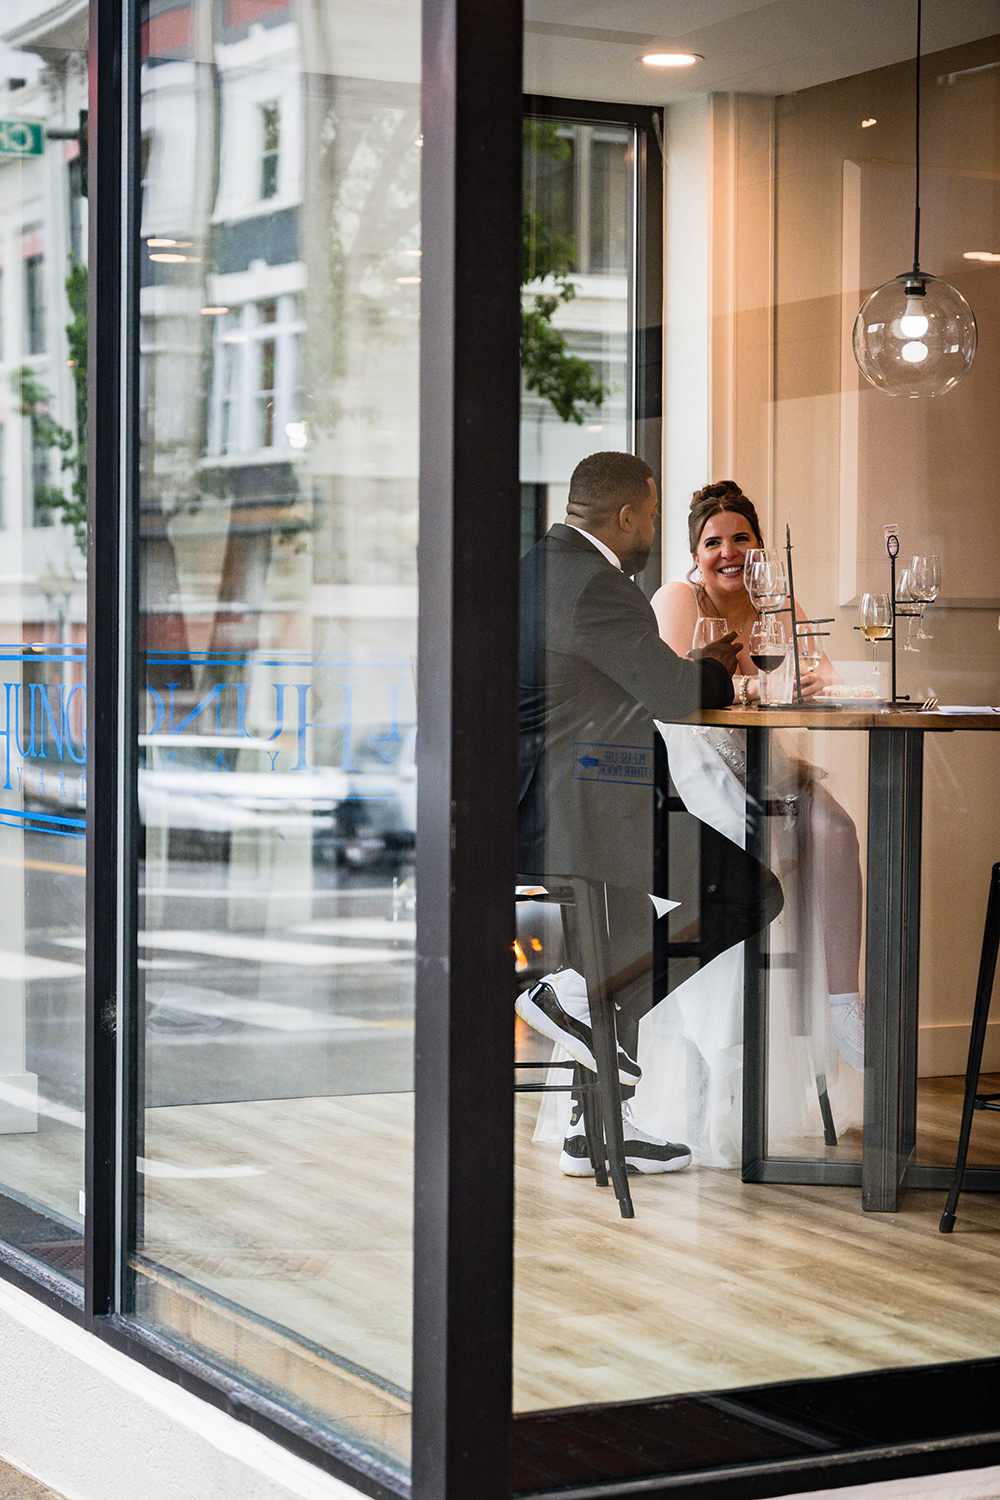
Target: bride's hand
pixel 811 684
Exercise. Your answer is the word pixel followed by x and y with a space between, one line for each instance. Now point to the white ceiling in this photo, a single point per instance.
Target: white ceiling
pixel 589 49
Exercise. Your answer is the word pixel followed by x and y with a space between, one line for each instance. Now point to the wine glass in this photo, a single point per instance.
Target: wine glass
pixel 907 604
pixel 750 557
pixel 768 647
pixel 707 629
pixel 925 575
pixel 767 583
pixel 810 647
pixel 875 618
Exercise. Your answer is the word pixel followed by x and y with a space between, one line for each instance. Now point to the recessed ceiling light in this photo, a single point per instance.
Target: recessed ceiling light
pixel 671 59
pixel 867 124
pixel 987 255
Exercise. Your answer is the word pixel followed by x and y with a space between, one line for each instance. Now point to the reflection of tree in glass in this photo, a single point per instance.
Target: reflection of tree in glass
pixel 549 369
pixel 362 240
pixel 35 401
pixel 370 162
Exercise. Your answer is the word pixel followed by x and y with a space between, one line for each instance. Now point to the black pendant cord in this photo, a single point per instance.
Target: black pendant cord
pixel 916 157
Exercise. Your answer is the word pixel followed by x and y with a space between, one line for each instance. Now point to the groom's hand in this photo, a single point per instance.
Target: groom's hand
pixel 724 650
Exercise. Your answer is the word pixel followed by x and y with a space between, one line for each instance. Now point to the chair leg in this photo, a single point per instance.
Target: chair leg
pixel 602 1020
pixel 980 1018
pixel 829 1128
pixel 593 1123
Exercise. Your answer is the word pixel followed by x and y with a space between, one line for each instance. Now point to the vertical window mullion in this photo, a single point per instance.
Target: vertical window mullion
pixel 110 894
pixel 468 551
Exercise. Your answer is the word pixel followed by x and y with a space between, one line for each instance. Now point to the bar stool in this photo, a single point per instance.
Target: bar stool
pixel 980 1017
pixel 583 913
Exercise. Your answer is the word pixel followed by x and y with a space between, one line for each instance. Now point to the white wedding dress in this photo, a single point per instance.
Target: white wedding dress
pixel 691 1043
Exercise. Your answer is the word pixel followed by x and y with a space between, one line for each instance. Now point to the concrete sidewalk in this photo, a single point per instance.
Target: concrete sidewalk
pixel 17 1486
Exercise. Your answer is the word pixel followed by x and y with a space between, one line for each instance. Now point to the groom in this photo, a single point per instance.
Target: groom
pixel 594 674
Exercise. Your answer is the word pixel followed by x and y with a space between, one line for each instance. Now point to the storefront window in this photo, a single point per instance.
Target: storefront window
pixel 277 772
pixel 44 631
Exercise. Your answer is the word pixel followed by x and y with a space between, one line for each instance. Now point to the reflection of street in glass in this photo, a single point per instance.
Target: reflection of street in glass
pixel 317 1002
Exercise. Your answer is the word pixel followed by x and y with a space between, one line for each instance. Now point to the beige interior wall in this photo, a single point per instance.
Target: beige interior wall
pixel 808 210
pixel 847 459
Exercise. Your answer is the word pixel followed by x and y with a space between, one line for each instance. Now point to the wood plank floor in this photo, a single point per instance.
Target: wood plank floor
pixel 714 1284
pixel 718 1283
pixel 278 1230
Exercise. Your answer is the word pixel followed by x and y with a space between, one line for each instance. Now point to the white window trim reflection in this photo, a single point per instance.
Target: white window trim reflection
pixel 242 336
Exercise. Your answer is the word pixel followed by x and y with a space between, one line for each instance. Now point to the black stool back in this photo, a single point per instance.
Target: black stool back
pixel 980 1017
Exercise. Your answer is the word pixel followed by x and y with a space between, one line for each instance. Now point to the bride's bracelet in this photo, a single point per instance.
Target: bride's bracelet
pixel 744 693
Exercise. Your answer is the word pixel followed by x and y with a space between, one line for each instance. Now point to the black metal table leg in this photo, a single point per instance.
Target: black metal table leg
pixel 755 975
pixel 895 789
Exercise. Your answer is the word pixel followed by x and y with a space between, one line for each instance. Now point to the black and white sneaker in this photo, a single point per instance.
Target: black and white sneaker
pixel 542 1008
pixel 643 1153
pixel 575 1159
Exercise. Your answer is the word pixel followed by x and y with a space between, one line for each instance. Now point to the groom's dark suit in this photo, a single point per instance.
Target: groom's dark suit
pixel 594 673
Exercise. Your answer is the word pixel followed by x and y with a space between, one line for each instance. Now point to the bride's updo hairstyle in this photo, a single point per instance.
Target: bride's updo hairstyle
pixel 725 494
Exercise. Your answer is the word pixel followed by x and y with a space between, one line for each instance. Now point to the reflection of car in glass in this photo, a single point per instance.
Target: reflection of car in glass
pixel 212 786
pixel 377 820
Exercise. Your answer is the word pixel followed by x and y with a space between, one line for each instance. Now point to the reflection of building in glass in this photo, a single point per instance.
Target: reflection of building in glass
pixel 278 458
pixel 42 218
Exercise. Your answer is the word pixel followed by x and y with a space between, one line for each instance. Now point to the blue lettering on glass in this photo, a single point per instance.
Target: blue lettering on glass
pixel 158 707
pixel 46 713
pixel 215 695
pixel 37 724
pixel 67 721
pixel 6 736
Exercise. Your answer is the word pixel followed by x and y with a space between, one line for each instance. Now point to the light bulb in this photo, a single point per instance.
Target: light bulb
pixel 913 324
pixel 915 336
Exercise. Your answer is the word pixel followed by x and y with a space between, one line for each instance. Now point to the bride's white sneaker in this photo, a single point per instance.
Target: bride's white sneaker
pixel 847 1013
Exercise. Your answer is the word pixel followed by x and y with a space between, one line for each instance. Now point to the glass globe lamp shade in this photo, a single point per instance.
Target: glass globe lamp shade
pixel 915 336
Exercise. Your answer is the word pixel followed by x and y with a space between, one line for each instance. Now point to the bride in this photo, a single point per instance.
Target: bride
pixel 819 841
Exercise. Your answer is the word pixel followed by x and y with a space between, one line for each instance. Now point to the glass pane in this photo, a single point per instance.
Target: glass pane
pixel 575 296
pixel 277 775
pixel 788 198
pixel 43 371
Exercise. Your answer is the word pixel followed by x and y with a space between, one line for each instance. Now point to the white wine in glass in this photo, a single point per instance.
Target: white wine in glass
pixel 810 649
pixel 875 619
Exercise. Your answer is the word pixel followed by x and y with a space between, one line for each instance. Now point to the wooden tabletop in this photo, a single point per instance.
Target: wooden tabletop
pixel 791 717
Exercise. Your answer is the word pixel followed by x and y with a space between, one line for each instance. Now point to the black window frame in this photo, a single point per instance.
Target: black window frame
pixel 469 492
pixel 644 352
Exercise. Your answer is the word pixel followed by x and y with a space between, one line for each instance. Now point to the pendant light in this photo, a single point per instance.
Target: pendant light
pixel 916 335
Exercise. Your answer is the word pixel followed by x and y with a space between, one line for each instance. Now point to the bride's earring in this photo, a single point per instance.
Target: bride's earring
pixel 697 576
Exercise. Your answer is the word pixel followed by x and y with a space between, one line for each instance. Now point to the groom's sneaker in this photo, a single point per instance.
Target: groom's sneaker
pixel 643 1153
pixel 557 1007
